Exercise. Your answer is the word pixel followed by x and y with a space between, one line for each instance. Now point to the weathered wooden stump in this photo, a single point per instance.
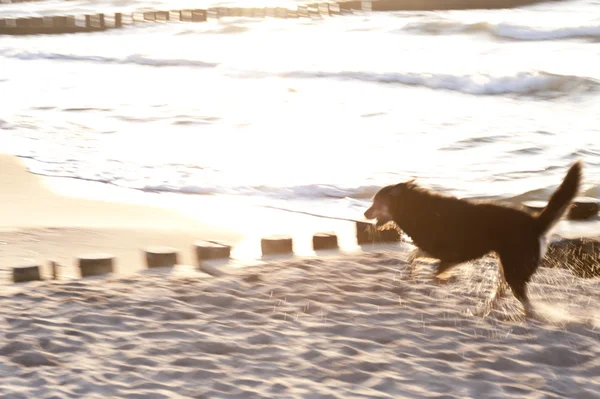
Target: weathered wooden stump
pixel 54 266
pixel 22 274
pixel 150 16
pixel 59 23
pixel 368 233
pixel 334 9
pixel 302 11
pixel 325 241
pixel 313 10
pixel 161 257
pixel 324 9
pixel 208 250
pixel 277 244
pixel 162 16
pixel 349 6
pixel 198 15
pixel 583 208
pixel 579 255
pixel 95 264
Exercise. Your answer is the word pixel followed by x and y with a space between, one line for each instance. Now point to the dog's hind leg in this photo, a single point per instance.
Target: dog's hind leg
pixel 518 271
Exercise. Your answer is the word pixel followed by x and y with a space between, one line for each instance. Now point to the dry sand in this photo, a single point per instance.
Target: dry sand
pixel 344 327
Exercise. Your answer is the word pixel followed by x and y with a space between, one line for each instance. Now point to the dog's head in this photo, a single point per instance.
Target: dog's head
pixel 384 202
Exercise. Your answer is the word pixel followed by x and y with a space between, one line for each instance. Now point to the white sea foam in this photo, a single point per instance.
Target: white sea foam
pixel 505 30
pixel 137 59
pixel 522 83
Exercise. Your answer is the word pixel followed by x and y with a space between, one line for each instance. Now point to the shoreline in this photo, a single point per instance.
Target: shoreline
pixel 56 219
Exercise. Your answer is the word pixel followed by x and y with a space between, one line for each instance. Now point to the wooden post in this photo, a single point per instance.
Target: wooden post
pixel 325 241
pixel 583 208
pixel 302 11
pixel 162 15
pixel 313 10
pixel 161 257
pixel 95 264
pixel 277 244
pixel 22 22
pixel 22 274
pixel 88 21
pixel 101 22
pixel 54 269
pixel 324 9
pixel 118 20
pixel 198 15
pixel 186 15
pixel 534 206
pixel 208 250
pixel 59 23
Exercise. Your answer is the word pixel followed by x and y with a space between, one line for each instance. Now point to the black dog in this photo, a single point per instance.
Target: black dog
pixel 456 230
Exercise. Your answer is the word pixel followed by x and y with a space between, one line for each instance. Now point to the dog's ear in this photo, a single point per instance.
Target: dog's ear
pixel 400 187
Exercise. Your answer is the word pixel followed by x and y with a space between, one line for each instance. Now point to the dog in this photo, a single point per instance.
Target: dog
pixel 455 230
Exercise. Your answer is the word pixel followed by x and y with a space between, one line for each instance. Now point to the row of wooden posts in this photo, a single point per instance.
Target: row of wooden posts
pixel 583 208
pixel 101 264
pixel 102 21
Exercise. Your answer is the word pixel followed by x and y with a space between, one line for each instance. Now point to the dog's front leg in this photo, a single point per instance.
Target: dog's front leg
pixel 412 256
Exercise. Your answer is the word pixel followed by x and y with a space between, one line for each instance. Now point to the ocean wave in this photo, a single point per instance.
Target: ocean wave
pixel 505 30
pixel 136 59
pixel 523 83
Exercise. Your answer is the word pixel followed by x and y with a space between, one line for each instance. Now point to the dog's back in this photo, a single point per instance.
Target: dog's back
pixel 456 230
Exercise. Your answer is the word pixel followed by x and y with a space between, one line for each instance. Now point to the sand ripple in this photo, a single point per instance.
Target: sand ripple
pixel 348 327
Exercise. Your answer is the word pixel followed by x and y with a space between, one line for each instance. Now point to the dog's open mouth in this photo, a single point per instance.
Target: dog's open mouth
pixel 383 224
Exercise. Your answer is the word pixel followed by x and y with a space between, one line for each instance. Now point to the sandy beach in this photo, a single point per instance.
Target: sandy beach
pixel 39 225
pixel 353 325
pixel 344 327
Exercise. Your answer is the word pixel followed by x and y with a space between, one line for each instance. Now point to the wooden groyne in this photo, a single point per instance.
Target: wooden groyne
pixel 103 21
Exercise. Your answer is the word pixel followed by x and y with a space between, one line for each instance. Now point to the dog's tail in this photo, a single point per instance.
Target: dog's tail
pixel 560 200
